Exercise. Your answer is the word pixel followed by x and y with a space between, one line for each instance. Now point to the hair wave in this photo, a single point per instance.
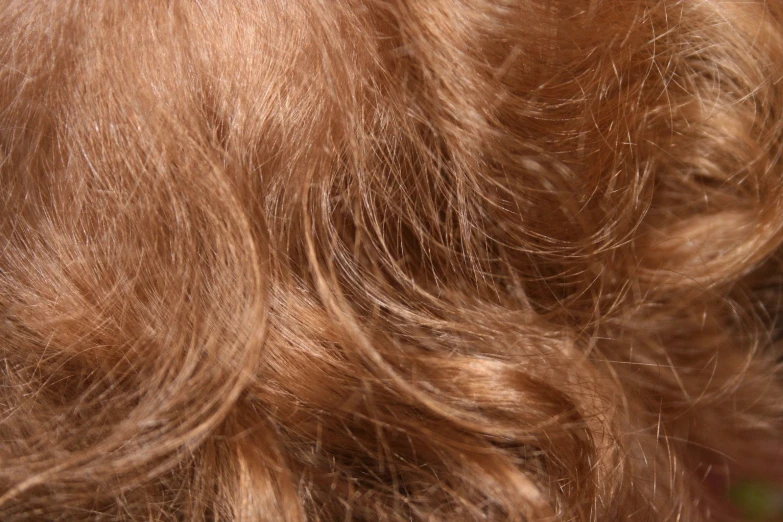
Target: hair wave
pixel 388 259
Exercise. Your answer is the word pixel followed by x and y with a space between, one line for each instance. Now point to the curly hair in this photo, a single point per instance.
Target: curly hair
pixel 389 260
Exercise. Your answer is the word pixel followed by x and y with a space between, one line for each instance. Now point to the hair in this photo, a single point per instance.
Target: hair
pixel 389 259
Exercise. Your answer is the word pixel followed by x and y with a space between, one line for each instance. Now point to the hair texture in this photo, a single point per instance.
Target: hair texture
pixel 287 260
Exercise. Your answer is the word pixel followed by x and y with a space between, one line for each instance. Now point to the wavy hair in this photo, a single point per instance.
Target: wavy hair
pixel 389 260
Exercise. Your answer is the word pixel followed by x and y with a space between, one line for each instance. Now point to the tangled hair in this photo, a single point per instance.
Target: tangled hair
pixel 441 260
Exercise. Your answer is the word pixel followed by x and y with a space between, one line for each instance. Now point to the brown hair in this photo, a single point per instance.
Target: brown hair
pixel 388 259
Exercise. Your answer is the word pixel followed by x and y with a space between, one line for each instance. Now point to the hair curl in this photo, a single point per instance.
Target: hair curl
pixel 388 259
